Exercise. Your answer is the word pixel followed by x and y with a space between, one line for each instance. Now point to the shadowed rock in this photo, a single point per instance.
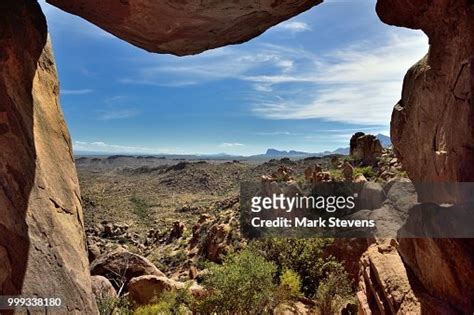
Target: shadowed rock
pixel 42 245
pixel 188 26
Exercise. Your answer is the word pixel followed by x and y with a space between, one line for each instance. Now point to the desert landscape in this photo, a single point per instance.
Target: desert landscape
pixel 180 219
pixel 152 234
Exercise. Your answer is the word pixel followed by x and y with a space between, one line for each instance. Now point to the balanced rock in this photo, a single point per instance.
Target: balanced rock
pixel 185 27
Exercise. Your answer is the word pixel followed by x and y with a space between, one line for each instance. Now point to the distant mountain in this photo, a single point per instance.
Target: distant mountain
pixel 384 140
pixel 292 153
pixel 275 152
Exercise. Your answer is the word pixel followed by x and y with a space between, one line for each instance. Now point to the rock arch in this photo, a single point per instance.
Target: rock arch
pixel 42 248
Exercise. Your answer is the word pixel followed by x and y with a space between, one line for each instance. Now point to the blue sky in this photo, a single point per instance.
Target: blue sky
pixel 306 84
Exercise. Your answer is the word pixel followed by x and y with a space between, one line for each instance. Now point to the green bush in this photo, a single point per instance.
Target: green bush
pixel 303 256
pixel 333 291
pixel 290 282
pixel 367 171
pixel 242 284
pixel 120 306
pixel 173 303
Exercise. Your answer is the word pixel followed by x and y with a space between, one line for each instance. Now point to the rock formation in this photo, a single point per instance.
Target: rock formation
pixel 185 27
pixel 121 265
pixel 365 149
pixel 146 289
pixel 432 126
pixel 42 245
pixel 433 134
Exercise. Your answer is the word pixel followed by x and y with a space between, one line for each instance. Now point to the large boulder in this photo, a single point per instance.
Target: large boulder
pixel 185 27
pixel 121 266
pixel 148 289
pixel 103 289
pixel 371 196
pixel 42 243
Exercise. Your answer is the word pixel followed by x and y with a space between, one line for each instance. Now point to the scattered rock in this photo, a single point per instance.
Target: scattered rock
pixel 176 231
pixel 360 179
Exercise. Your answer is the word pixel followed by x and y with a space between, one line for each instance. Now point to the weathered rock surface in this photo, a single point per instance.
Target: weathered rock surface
pixel 432 125
pixel 102 289
pixel 122 265
pixel 433 134
pixel 42 245
pixel 185 27
pixel 146 289
pixel 445 267
pixel 371 196
pixel 365 149
pixel 387 287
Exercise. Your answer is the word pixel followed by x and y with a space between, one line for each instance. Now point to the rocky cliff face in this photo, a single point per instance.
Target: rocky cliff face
pixel 432 125
pixel 42 248
pixel 187 26
pixel 432 130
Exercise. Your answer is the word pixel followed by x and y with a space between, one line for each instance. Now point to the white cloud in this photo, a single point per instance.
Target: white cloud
pixel 100 146
pixel 278 133
pixel 117 114
pixel 76 92
pixel 293 26
pixel 359 84
pixel 231 144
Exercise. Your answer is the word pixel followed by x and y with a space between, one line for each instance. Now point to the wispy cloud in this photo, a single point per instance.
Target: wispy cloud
pixel 100 146
pixel 231 144
pixel 76 92
pixel 293 26
pixel 357 84
pixel 117 114
pixel 279 133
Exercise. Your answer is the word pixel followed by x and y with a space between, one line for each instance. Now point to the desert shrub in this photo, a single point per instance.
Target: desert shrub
pixel 336 174
pixel 171 302
pixel 333 291
pixel 290 282
pixel 140 207
pixel 303 256
pixel 242 284
pixel 367 171
pixel 120 305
